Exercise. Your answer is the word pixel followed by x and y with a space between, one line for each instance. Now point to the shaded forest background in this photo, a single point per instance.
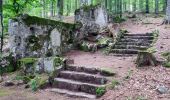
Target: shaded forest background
pixel 55 9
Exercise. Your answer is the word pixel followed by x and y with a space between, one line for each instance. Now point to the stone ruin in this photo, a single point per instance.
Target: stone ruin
pixel 42 40
pixel 31 36
pixel 93 18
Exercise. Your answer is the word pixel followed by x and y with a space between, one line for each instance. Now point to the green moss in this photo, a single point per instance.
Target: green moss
pixel 105 41
pixel 27 60
pixel 32 20
pixel 87 8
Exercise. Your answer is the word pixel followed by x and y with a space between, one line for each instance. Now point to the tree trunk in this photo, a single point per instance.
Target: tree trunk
pixel 156 7
pixel 51 8
pixel 60 8
pixel 164 6
pixel 147 6
pixel 167 19
pixel 44 8
pixel 134 6
pixel 1 26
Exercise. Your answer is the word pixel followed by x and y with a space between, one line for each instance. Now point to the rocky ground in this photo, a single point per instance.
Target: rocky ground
pixel 146 83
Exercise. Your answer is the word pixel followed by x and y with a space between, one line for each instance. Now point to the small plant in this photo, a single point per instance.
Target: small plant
pixel 166 55
pixel 151 50
pixel 141 98
pixel 33 84
pixel 100 91
pixel 114 83
pixel 166 64
pixel 129 74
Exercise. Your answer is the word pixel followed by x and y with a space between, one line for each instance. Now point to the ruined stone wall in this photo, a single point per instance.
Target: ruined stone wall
pixel 92 17
pixel 32 36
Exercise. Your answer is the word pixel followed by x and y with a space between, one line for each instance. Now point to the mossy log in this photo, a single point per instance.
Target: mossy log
pixel 146 58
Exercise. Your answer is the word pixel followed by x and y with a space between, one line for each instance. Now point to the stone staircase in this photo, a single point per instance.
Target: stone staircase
pixel 130 44
pixel 80 81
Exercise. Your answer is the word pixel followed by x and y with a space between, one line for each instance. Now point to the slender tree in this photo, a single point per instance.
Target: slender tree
pixel 147 6
pixel 60 6
pixel 156 7
pixel 167 19
pixel 1 22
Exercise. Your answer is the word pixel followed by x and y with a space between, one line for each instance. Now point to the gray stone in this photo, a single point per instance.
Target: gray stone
pixel 162 89
pixel 93 19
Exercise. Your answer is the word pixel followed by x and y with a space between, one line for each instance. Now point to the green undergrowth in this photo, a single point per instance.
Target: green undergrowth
pixel 100 91
pixel 114 83
pixel 166 55
pixel 35 82
pixel 118 19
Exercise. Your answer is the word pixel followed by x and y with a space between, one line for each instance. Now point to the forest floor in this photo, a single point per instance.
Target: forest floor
pixel 142 83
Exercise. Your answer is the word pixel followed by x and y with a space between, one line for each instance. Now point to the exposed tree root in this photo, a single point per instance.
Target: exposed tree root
pixel 166 21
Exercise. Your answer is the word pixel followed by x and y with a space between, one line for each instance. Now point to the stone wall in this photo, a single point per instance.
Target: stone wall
pixel 93 18
pixel 32 36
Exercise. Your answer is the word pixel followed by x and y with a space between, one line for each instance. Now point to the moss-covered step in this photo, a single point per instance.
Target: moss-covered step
pixel 83 77
pixel 89 70
pixel 73 93
pixel 139 37
pixel 124 51
pixel 77 86
pixel 130 47
pixel 133 43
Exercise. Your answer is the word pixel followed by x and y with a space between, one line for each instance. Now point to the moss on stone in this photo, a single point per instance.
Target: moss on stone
pixel 87 8
pixel 27 60
pixel 33 20
pixel 58 61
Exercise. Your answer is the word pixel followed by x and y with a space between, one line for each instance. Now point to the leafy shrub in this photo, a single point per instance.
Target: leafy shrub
pixel 100 91
pixel 118 19
pixel 166 64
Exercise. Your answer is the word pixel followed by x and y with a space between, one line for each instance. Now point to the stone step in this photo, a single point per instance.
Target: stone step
pixel 130 47
pixel 136 40
pixel 123 55
pixel 72 93
pixel 89 70
pixel 148 34
pixel 124 51
pixel 138 37
pixel 133 43
pixel 83 77
pixel 75 86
